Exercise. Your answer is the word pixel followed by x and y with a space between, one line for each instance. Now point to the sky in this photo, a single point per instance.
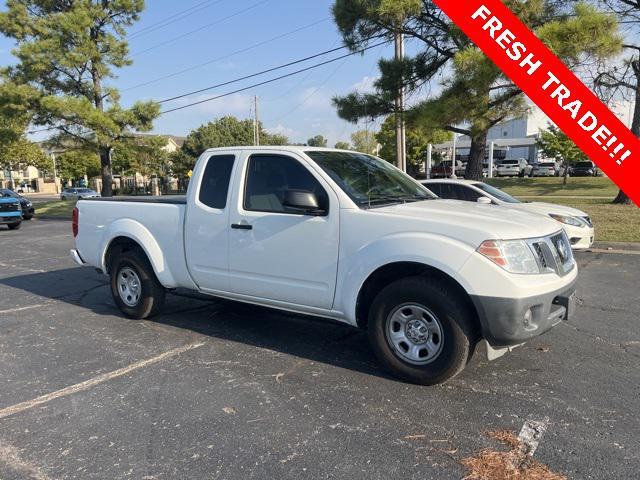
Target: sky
pixel 235 38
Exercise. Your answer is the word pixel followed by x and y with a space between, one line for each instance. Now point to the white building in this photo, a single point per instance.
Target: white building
pixel 516 138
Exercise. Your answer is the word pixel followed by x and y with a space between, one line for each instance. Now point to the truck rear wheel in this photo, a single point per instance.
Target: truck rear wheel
pixel 420 331
pixel 134 285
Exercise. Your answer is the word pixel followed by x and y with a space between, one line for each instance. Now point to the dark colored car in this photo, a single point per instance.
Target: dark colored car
pixel 27 207
pixel 584 169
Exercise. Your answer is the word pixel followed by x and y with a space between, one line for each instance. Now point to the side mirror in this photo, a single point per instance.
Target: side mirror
pixel 484 201
pixel 303 202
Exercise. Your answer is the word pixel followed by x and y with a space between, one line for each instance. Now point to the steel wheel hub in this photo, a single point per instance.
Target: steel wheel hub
pixel 414 333
pixel 129 287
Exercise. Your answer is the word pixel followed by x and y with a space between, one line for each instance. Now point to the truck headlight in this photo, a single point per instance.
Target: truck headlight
pixel 567 220
pixel 514 256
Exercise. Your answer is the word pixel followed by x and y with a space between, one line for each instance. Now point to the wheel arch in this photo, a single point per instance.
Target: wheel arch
pixel 126 234
pixel 391 272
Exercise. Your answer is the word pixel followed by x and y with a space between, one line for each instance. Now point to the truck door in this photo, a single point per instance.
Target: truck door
pixel 207 224
pixel 278 253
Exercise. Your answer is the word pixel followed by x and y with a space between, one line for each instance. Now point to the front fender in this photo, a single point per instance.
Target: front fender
pixel 126 227
pixel 442 253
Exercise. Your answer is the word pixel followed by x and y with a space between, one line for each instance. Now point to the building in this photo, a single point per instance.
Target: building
pixel 517 137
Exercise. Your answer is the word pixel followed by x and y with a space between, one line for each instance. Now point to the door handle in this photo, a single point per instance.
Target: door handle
pixel 241 226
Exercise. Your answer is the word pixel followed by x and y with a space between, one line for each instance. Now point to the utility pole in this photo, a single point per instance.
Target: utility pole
pixel 401 142
pixel 256 122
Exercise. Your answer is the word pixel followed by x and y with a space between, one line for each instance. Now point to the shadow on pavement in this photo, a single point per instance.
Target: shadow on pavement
pixel 315 339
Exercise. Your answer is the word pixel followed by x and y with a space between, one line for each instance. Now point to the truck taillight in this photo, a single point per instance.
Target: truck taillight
pixel 74 222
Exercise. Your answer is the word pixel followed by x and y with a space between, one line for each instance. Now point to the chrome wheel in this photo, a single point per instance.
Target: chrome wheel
pixel 129 287
pixel 414 333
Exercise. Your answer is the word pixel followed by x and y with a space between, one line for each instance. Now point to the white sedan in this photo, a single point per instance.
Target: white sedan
pixel 575 223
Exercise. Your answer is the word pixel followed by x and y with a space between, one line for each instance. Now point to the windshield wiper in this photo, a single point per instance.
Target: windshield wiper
pixel 389 199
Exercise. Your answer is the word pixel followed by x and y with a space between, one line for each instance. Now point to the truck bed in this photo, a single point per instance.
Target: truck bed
pixel 169 199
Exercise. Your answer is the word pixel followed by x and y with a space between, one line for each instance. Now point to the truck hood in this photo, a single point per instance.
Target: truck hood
pixel 9 200
pixel 473 223
pixel 547 208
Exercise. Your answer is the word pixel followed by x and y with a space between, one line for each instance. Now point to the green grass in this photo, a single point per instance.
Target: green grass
pixel 578 186
pixel 56 208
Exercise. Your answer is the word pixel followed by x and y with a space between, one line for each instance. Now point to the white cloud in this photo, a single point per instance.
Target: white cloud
pixel 282 130
pixel 365 85
pixel 315 98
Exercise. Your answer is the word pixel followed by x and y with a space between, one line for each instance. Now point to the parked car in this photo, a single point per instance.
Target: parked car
pixel 342 235
pixel 443 170
pixel 485 169
pixel 10 211
pixel 545 169
pixel 513 168
pixel 77 193
pixel 28 211
pixel 576 223
pixel 583 169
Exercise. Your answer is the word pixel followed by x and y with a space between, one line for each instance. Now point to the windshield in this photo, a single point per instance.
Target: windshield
pixel 509 162
pixel 8 193
pixel 368 180
pixel 584 165
pixel 494 192
pixel 83 190
pixel 547 165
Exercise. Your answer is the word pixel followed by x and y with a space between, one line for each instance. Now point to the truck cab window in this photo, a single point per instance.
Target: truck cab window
pixel 215 181
pixel 269 177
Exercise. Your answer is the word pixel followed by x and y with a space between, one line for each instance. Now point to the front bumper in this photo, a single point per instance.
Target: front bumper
pixel 10 217
pixel 503 320
pixel 75 256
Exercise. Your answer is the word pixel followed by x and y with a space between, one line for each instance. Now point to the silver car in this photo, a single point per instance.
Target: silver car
pixel 545 169
pixel 77 193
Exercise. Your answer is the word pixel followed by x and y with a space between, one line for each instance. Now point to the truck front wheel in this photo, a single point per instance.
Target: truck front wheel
pixel 420 331
pixel 134 285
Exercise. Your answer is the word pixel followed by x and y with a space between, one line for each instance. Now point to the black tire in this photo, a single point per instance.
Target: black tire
pixel 152 293
pixel 454 318
pixel 14 226
pixel 28 217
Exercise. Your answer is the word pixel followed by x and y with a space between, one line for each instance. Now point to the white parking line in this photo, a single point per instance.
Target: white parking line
pixel 21 407
pixel 531 434
pixel 21 309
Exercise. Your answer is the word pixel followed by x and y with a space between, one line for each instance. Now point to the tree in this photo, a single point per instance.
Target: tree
pixel 418 139
pixel 16 151
pixel 224 132
pixel 67 51
pixel 623 78
pixel 554 143
pixel 475 93
pixel 364 141
pixel 317 141
pixel 342 146
pixel 75 164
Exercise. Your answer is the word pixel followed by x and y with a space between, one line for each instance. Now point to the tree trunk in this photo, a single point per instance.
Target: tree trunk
pixel 107 178
pixel 622 198
pixel 476 156
pixel 565 174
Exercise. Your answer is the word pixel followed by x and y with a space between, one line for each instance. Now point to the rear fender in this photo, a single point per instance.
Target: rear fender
pixel 126 227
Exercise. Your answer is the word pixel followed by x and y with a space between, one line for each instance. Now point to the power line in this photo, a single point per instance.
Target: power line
pixel 179 37
pixel 269 70
pixel 224 57
pixel 273 79
pixel 176 17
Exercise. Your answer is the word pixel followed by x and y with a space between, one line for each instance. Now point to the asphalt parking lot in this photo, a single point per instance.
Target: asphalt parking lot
pixel 214 389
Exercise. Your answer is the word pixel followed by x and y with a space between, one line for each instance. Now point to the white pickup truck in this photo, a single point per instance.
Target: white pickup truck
pixel 340 235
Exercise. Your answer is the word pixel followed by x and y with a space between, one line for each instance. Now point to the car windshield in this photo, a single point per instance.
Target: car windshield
pixel 369 181
pixel 83 190
pixel 547 165
pixel 494 192
pixel 8 193
pixel 584 165
pixel 509 162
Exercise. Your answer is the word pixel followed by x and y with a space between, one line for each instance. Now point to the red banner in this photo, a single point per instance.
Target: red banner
pixel 552 87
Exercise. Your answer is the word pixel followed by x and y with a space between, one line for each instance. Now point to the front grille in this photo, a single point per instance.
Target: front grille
pixel 9 207
pixel 553 253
